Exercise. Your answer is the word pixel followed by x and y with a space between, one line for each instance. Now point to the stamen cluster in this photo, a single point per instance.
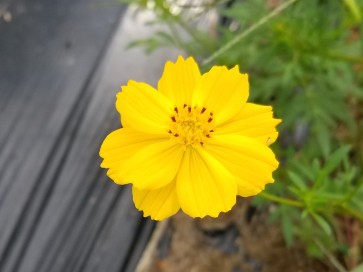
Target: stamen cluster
pixel 191 125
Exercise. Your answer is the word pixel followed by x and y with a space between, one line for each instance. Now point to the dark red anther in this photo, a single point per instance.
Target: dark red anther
pixel 189 109
pixel 173 119
pixel 210 119
pixel 203 110
pixel 184 105
pixel 169 131
pixel 176 135
pixel 176 109
pixel 208 136
pixel 211 130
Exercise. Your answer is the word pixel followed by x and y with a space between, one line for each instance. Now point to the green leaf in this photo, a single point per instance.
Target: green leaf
pixel 322 223
pixel 304 214
pixel 323 138
pixel 328 197
pixel 304 170
pixel 294 190
pixel 333 162
pixel 354 9
pixel 298 181
pixel 150 44
pixel 336 158
pixel 314 250
pixel 316 166
pixel 165 37
pixel 287 229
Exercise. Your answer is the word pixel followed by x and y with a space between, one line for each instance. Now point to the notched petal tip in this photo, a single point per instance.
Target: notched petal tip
pixel 179 80
pixel 158 204
pixel 223 91
pixel 236 68
pixel 180 58
pixel 215 214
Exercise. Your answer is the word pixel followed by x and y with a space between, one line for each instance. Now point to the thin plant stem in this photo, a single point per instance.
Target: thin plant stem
pixel 330 257
pixel 249 30
pixel 282 200
pixel 343 208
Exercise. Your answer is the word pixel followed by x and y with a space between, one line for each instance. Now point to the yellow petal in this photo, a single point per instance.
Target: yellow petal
pixel 179 79
pixel 122 144
pixel 246 158
pixel 222 92
pixel 154 166
pixel 254 121
pixel 144 108
pixel 204 186
pixel 158 204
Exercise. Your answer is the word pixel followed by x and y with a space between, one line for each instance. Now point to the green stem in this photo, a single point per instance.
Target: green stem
pixel 282 200
pixel 249 30
pixel 343 208
pixel 330 256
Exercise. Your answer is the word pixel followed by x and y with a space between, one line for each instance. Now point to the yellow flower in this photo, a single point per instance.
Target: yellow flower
pixel 194 143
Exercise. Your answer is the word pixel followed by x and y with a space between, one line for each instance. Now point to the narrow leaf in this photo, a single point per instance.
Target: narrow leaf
pixel 322 223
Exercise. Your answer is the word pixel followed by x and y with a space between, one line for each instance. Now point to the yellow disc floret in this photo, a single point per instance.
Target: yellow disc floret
pixel 191 125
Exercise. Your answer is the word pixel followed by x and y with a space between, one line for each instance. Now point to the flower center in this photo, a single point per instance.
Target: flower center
pixel 191 126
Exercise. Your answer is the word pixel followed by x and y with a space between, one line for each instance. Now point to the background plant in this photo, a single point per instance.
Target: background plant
pixel 305 57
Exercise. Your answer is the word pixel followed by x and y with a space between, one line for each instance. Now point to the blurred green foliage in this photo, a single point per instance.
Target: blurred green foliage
pixel 307 61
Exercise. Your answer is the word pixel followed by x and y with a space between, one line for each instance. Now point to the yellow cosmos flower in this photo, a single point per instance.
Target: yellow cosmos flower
pixel 193 144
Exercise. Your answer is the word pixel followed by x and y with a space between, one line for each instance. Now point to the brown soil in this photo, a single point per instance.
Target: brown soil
pixel 239 241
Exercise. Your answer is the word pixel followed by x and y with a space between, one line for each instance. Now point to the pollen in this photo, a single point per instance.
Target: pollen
pixel 191 125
